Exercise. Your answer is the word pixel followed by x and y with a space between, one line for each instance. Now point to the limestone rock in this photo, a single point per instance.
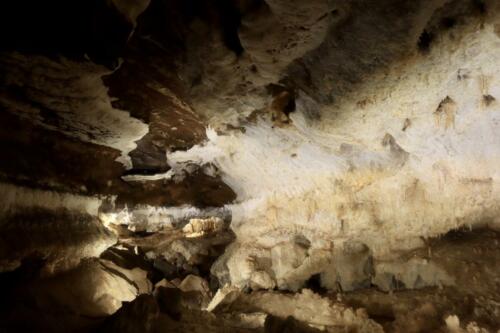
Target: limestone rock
pixel 310 308
pixel 92 289
pixel 136 276
pixel 164 283
pixel 413 274
pixel 198 227
pixel 224 296
pixel 194 283
pixel 351 268
pixel 59 237
pixel 286 258
pixel 261 280
pixel 280 145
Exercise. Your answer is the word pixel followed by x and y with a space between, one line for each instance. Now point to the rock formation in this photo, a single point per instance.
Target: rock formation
pixel 250 166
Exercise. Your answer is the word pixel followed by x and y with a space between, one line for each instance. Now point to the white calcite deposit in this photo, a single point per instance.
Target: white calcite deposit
pixel 410 155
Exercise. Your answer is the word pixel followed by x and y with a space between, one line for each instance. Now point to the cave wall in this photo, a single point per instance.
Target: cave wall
pixel 265 145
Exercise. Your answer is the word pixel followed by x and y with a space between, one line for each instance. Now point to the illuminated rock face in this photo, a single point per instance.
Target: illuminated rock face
pixel 412 154
pixel 251 151
pixel 79 100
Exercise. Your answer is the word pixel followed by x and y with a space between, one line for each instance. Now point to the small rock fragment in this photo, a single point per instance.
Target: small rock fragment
pixel 225 295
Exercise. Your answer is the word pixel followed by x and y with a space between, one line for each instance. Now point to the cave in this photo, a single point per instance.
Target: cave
pixel 250 166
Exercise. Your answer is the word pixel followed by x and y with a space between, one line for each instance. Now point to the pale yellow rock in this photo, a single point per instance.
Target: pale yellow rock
pixel 356 175
pixel 223 296
pixel 195 283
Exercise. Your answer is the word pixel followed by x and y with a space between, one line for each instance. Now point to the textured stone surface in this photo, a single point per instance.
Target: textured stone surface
pixel 251 150
pixel 357 175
